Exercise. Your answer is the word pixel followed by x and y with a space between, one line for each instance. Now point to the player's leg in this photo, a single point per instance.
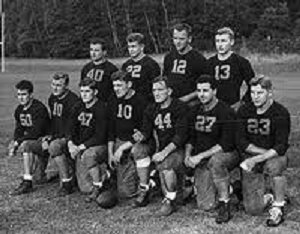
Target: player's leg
pixel 274 168
pixel 58 151
pixel 169 169
pixel 220 165
pixel 29 149
pixel 140 153
pixel 93 157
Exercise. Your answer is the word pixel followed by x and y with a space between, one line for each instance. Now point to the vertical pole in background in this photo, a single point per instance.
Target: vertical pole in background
pixel 2 37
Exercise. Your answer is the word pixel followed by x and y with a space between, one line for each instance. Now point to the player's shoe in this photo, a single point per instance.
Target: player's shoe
pixel 277 216
pixel 142 199
pixel 66 189
pixel 223 215
pixel 42 180
pixel 167 208
pixel 97 190
pixel 24 187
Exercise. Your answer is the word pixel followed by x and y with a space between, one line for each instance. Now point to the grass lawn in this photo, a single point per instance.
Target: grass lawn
pixel 42 212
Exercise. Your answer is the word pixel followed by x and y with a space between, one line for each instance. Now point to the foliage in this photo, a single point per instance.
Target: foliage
pixel 62 28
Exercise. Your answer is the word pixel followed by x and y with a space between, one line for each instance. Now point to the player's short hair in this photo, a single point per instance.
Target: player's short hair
pixel 98 40
pixel 62 76
pixel 88 82
pixel 207 79
pixel 162 79
pixel 225 30
pixel 262 80
pixel 138 37
pixel 121 75
pixel 25 85
pixel 183 27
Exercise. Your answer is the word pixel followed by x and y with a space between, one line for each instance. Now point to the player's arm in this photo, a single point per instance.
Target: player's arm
pixel 147 125
pixel 19 129
pixel 188 97
pixel 247 73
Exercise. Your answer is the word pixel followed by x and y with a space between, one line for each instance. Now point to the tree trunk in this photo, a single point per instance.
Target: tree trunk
pixel 150 32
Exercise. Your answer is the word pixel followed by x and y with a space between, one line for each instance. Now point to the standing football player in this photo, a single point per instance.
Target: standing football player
pixel 32 120
pixel 61 103
pixel 168 118
pixel 88 136
pixel 183 65
pixel 143 68
pixel 262 137
pixel 230 70
pixel 126 110
pixel 211 148
pixel 99 69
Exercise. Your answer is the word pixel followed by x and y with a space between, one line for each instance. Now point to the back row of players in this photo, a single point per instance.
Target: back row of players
pixel 161 120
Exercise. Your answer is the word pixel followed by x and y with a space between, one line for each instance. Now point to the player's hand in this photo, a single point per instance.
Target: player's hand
pixel 159 157
pixel 74 150
pixel 118 155
pixel 138 136
pixel 45 144
pixel 111 160
pixel 191 161
pixel 248 164
pixel 12 148
pixel 236 106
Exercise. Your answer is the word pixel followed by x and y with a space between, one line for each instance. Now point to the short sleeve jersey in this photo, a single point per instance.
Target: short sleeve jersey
pixel 230 74
pixel 170 124
pixel 101 73
pixel 182 71
pixel 142 73
pixel 125 115
pixel 269 130
pixel 89 124
pixel 31 122
pixel 212 127
pixel 61 108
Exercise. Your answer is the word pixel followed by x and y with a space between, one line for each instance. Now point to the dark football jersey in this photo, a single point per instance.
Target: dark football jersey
pixel 89 125
pixel 182 71
pixel 142 73
pixel 230 74
pixel 269 130
pixel 170 124
pixel 125 115
pixel 212 127
pixel 101 73
pixel 61 109
pixel 31 122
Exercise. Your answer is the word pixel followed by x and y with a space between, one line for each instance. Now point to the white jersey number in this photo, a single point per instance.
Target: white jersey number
pixel 26 120
pixel 205 123
pixel 222 72
pixel 163 122
pixel 259 126
pixel 96 74
pixel 124 111
pixel 135 70
pixel 179 66
pixel 85 118
pixel 57 109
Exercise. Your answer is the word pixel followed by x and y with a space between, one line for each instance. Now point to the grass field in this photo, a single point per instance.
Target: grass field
pixel 42 212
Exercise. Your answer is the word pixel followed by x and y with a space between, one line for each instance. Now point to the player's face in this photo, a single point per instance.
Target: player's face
pixel 96 52
pixel 161 92
pixel 135 49
pixel 223 43
pixel 205 93
pixel 87 94
pixel 260 96
pixel 181 40
pixel 24 97
pixel 121 88
pixel 58 87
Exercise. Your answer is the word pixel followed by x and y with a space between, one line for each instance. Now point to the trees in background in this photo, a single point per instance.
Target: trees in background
pixel 63 28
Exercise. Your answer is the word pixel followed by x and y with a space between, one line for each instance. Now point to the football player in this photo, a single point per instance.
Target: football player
pixel 99 68
pixel 88 136
pixel 183 65
pixel 126 110
pixel 168 117
pixel 32 120
pixel 230 70
pixel 143 68
pixel 262 136
pixel 212 146
pixel 61 104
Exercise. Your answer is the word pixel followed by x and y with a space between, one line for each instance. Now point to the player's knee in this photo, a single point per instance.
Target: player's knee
pixel 276 166
pixel 56 148
pixel 139 151
pixel 89 158
pixel 27 147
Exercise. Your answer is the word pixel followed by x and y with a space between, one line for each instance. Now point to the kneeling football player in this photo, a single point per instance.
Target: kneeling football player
pixel 32 121
pixel 262 136
pixel 167 119
pixel 88 137
pixel 211 149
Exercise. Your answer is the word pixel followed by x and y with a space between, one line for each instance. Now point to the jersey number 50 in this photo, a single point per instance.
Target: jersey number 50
pixel 26 120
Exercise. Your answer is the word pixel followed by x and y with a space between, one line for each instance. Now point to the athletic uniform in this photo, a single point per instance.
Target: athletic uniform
pixel 101 73
pixel 182 71
pixel 142 73
pixel 230 74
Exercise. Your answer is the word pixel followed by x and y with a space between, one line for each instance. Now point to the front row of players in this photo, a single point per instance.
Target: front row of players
pixel 211 139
